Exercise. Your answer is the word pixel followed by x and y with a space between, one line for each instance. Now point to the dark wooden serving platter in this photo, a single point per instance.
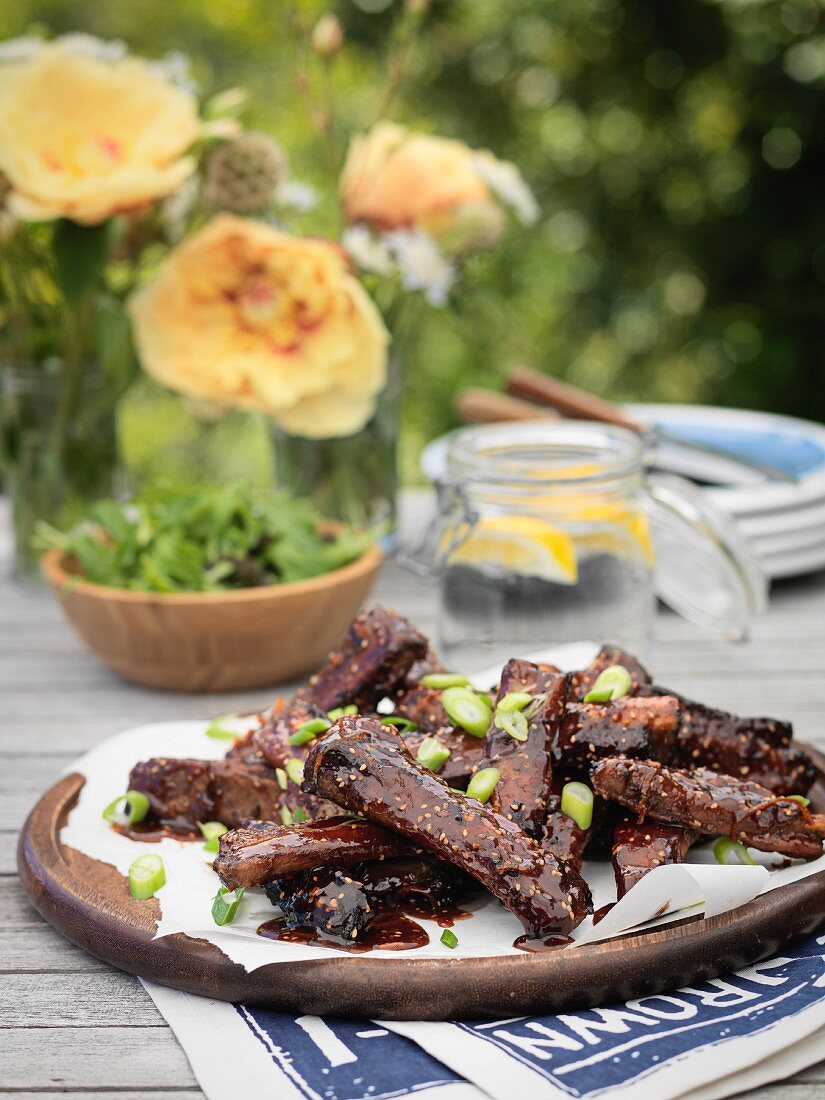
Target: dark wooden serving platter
pixel 89 903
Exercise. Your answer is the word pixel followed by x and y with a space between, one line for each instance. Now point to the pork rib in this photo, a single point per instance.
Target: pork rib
pixel 628 726
pixel 712 804
pixel 637 849
pixel 365 768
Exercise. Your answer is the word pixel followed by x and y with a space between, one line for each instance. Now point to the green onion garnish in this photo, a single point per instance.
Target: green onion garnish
pixel 801 799
pixel 432 753
pixel 514 700
pixel 295 770
pixel 280 775
pixel 513 722
pixel 615 679
pixel 449 938
pixel 483 783
pixel 225 905
pixel 339 712
pixel 300 815
pixel 218 730
pixel 443 680
pixel 212 832
pixel 309 731
pixel 405 725
pixel 468 710
pixel 128 809
pixel 146 876
pixel 286 815
pixel 731 852
pixel 577 802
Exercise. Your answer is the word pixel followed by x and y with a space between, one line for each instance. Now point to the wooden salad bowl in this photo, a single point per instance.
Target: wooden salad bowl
pixel 214 641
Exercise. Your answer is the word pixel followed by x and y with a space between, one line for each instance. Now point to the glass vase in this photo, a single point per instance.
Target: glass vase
pixel 352 478
pixel 59 449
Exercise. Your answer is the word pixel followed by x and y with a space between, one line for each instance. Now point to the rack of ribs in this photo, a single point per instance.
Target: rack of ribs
pixel 526 767
pixel 375 657
pixel 365 768
pixel 637 849
pixel 712 804
pixel 262 851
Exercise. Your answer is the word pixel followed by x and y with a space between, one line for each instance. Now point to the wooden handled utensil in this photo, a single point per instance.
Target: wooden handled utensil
pixel 480 406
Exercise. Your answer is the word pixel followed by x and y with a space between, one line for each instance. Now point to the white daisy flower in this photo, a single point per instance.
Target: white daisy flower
pixel 422 266
pixel 368 252
pixel 507 183
pixel 298 196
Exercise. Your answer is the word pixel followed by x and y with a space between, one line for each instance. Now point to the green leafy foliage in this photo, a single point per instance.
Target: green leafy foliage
pixel 209 539
pixel 80 256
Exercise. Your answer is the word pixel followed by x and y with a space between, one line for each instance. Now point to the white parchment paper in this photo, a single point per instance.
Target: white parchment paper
pixel 667 893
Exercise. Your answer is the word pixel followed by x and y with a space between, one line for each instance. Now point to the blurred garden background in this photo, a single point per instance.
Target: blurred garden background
pixel 676 148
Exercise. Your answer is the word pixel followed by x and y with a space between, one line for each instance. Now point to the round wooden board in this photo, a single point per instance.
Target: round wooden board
pixel 89 903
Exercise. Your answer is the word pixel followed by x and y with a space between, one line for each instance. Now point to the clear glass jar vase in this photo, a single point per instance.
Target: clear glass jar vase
pixel 554 533
pixel 59 449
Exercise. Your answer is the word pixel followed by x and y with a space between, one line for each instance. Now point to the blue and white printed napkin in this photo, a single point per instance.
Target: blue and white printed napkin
pixel 701 1042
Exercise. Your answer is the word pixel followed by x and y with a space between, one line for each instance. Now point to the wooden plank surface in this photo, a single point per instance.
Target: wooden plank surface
pixel 71 1025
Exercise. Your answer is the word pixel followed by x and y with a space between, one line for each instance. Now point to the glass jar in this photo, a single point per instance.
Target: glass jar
pixel 552 533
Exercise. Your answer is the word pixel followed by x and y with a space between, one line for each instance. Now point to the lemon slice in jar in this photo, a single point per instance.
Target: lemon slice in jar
pixel 524 545
pixel 626 533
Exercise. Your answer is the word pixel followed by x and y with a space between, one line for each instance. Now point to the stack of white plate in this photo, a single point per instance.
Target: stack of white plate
pixel 783 521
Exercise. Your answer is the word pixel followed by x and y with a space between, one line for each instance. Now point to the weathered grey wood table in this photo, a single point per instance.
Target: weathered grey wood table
pixel 72 1025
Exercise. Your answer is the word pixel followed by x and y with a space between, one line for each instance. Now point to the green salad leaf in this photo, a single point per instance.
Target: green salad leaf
pixel 205 539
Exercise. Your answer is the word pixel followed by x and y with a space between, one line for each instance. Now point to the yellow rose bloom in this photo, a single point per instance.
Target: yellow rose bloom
pixel 84 137
pixel 247 316
pixel 393 179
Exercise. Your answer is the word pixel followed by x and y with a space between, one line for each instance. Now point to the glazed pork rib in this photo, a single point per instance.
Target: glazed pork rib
pixel 262 851
pixel 422 705
pixel 365 768
pixel 712 804
pixel 375 657
pixel 582 681
pixel 525 767
pixel 637 849
pixel 630 726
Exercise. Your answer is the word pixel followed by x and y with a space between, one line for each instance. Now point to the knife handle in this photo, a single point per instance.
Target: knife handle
pixel 570 401
pixel 480 406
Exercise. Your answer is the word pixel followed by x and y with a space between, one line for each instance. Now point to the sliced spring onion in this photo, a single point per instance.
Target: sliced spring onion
pixel 470 711
pixel 219 730
pixel 512 722
pixel 146 876
pixel 614 678
pixel 339 712
pixel 128 809
pixel 443 680
pixel 801 799
pixel 300 815
pixel 212 832
pixel 731 852
pixel 602 695
pixel 286 815
pixel 515 700
pixel 225 905
pixel 405 725
pixel 281 776
pixel 449 938
pixel 295 770
pixel 483 783
pixel 432 753
pixel 309 731
pixel 577 802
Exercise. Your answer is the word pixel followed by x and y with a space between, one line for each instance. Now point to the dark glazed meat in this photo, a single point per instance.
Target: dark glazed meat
pixel 416 881
pixel 324 898
pixel 710 803
pixel 581 682
pixel 422 705
pixel 262 851
pixel 627 727
pixel 526 771
pixel 637 849
pixel 279 724
pixel 562 836
pixel 378 651
pixel 365 767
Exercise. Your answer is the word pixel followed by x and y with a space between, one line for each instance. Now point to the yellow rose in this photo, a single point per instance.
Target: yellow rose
pixel 250 317
pixel 393 179
pixel 84 136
